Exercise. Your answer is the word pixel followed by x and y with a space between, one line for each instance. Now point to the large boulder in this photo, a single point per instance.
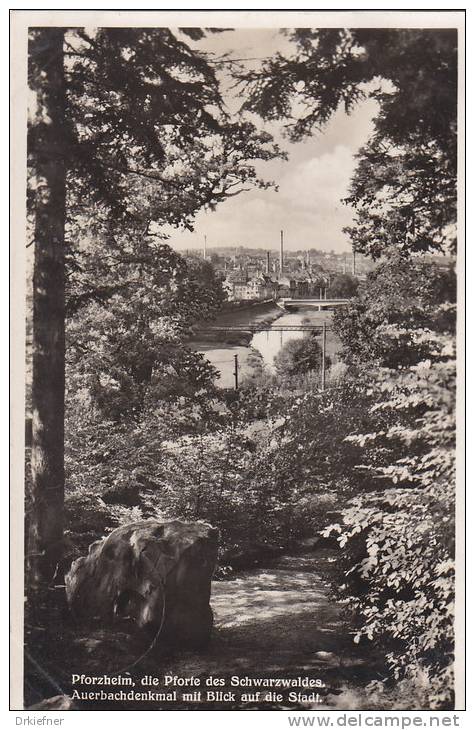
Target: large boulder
pixel 154 577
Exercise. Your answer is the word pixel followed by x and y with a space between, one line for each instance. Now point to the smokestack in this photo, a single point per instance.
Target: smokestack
pixel 282 253
pixel 268 262
pixel 204 250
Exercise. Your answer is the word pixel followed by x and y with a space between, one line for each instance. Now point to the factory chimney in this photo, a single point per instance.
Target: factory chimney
pixel 268 262
pixel 204 250
pixel 282 253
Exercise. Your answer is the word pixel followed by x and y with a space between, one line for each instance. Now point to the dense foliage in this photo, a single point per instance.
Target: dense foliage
pixel 133 347
pixel 399 540
pixel 395 317
pixel 342 285
pixel 299 356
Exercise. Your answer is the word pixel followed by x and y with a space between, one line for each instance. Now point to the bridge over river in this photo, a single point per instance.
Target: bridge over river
pixel 319 304
pixel 260 327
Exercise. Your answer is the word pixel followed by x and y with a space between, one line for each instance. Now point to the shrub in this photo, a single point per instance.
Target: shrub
pixel 398 541
pixel 298 357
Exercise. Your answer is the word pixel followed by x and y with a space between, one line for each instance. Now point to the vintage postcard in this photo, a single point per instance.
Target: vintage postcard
pixel 237 305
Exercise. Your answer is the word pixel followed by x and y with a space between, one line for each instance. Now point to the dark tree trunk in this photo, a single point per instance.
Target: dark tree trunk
pixel 46 149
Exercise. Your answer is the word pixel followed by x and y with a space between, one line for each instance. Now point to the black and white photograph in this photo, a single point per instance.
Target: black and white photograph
pixel 239 476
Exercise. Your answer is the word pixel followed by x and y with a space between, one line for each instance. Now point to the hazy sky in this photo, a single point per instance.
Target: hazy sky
pixel 311 182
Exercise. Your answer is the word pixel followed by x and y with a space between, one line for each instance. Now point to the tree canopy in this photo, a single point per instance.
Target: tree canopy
pixel 145 115
pixel 299 356
pixel 390 320
pixel 148 142
pixel 404 188
pixel 343 285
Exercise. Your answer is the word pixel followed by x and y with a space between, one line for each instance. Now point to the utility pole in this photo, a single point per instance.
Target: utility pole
pixel 204 250
pixel 354 262
pixel 324 347
pixel 235 372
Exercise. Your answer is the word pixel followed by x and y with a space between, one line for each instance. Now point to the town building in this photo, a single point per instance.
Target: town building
pixel 242 287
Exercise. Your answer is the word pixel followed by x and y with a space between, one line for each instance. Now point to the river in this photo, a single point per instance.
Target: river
pixel 267 343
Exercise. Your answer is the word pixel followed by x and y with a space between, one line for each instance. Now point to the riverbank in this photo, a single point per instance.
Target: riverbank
pixel 236 314
pixel 221 356
pixel 221 348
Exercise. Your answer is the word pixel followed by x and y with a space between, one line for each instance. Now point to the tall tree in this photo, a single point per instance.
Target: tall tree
pixel 404 188
pixel 48 148
pixel 129 130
